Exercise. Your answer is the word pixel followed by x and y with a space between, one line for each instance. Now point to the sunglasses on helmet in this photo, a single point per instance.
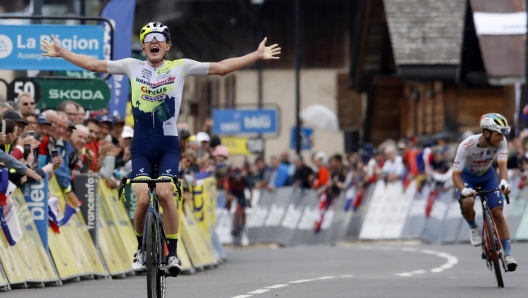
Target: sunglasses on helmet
pixel 159 37
pixel 505 130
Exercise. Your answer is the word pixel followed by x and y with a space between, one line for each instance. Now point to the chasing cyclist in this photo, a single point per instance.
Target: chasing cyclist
pixel 157 86
pixel 235 184
pixel 472 168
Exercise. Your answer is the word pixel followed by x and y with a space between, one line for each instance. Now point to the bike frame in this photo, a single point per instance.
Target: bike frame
pixel 486 245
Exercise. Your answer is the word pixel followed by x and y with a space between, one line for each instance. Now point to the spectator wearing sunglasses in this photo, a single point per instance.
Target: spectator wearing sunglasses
pixel 26 103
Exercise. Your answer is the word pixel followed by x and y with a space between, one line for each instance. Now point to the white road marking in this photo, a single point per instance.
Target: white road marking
pixel 451 261
pixel 300 281
pixel 259 291
pixel 415 272
pixel 265 289
pixel 277 286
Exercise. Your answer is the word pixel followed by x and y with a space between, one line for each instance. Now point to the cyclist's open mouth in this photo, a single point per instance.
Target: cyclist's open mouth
pixel 154 49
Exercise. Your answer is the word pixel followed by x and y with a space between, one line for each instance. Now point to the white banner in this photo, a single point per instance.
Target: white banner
pixel 500 23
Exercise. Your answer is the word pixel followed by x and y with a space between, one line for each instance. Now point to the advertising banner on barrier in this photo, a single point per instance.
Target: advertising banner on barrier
pixel 85 186
pixel 36 195
pixel 20 45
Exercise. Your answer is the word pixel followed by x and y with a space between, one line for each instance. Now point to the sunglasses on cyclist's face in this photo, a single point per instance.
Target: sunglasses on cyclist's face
pixel 158 36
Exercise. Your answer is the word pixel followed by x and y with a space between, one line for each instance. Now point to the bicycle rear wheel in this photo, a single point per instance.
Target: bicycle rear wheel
pixel 155 281
pixel 493 249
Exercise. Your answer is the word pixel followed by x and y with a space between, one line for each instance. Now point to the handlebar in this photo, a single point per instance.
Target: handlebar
pixel 149 181
pixel 481 194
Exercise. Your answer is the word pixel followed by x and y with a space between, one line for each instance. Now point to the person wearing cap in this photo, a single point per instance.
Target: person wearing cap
pixel 15 117
pixel 203 139
pixel 105 125
pixel 117 129
pixel 124 154
pixel 43 126
pixel 320 159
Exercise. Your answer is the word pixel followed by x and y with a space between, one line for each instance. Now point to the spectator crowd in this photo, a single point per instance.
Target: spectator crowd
pixel 63 142
pixel 68 141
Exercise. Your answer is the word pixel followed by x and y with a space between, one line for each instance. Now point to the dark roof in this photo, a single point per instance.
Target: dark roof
pixel 505 63
pixel 426 31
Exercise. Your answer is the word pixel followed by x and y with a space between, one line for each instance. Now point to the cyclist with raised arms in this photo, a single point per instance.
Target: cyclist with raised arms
pixel 157 86
pixel 472 168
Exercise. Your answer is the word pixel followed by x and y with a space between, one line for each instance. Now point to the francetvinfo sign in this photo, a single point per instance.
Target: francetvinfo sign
pixel 20 45
pixel 92 94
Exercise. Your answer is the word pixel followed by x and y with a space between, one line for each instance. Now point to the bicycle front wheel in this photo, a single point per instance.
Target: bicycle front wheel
pixel 493 249
pixel 155 281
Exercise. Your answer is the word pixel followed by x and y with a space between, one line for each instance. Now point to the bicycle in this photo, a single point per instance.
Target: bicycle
pixel 491 245
pixel 238 227
pixel 155 254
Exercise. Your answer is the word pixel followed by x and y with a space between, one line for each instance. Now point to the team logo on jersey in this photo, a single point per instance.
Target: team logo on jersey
pixel 146 74
pixel 154 98
pixel 148 91
pixel 166 81
pixel 468 143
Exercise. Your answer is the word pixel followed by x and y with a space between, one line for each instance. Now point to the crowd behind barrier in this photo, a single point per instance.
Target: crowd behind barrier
pixel 389 211
pixel 42 245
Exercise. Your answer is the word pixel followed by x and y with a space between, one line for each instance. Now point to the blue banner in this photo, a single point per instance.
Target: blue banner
pixel 20 45
pixel 121 14
pixel 36 195
pixel 237 122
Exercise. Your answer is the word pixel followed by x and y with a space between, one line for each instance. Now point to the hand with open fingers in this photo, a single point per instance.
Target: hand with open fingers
pixel 50 49
pixel 468 192
pixel 268 53
pixel 505 187
pixel 33 174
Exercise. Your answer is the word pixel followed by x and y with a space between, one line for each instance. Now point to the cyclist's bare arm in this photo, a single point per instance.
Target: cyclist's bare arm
pixel 229 65
pixel 89 63
pixel 457 180
pixel 458 167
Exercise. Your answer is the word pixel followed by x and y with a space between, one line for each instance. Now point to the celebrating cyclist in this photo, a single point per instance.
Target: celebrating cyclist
pixel 472 168
pixel 157 86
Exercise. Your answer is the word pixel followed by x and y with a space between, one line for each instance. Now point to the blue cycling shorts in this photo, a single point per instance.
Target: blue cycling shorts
pixel 155 152
pixel 487 181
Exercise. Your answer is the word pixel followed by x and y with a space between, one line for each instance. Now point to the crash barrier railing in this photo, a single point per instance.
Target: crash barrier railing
pixel 45 242
pixel 379 211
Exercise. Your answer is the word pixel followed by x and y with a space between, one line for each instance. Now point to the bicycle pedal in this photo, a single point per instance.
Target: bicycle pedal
pixel 483 256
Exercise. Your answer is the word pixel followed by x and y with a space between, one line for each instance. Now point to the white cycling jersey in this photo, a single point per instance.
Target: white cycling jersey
pixel 156 92
pixel 475 159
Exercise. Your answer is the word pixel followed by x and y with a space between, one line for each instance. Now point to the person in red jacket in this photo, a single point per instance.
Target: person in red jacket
pixel 323 174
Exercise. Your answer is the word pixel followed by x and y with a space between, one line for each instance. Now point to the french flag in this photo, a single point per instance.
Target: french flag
pixel 53 214
pixel 8 216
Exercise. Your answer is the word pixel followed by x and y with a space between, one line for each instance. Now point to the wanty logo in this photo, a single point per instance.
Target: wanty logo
pixel 6 46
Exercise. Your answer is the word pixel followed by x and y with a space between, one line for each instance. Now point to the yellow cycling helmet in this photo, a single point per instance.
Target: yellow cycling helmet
pixel 154 27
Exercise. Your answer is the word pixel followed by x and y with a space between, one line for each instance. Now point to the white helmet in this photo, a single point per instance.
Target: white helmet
pixel 495 122
pixel 154 27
